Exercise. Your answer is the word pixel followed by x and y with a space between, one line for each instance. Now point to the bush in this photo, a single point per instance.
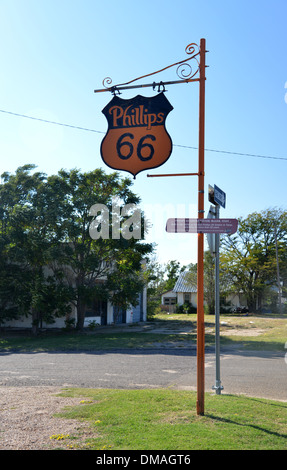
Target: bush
pixel 186 308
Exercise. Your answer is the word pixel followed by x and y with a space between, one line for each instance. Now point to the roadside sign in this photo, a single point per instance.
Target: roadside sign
pixel 137 138
pixel 211 213
pixel 177 225
pixel 211 242
pixel 219 196
pixel 211 236
pixel 211 194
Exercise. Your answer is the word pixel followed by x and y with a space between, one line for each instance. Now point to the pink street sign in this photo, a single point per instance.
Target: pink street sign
pixel 201 225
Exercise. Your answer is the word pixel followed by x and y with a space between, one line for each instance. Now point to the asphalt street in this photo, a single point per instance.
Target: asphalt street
pixel 254 374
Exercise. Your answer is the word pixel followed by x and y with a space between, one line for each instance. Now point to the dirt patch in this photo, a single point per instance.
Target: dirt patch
pixel 242 332
pixel 27 421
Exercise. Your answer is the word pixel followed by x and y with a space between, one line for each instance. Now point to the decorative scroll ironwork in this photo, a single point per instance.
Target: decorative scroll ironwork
pixel 184 70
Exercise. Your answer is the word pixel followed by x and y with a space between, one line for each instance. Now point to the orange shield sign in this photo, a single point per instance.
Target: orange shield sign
pixel 136 139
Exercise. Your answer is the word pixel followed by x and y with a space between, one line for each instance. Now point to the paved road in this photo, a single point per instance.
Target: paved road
pixel 252 373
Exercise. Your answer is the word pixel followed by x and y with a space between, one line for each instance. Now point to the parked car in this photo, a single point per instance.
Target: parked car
pixel 241 310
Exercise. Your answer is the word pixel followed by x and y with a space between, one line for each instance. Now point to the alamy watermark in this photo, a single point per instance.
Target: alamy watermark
pixel 132 221
pixel 123 222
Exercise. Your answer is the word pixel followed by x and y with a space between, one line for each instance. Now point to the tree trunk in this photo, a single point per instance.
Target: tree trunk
pixel 35 322
pixel 81 308
pixel 251 303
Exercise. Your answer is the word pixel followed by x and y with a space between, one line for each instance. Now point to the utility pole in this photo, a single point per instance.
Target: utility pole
pixel 200 249
pixel 217 387
pixel 201 65
pixel 218 198
pixel 278 273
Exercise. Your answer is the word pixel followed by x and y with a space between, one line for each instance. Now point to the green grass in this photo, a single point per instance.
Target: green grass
pixel 75 342
pixel 167 420
pixel 256 332
pixel 251 332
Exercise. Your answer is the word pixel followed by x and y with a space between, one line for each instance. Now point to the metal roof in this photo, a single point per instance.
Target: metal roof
pixel 182 284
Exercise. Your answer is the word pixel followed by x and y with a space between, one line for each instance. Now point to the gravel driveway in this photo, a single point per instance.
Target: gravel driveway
pixel 27 422
pixel 27 405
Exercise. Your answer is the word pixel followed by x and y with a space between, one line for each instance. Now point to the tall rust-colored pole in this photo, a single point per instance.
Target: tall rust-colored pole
pixel 200 251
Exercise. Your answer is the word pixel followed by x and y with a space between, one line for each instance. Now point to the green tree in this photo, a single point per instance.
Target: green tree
pixel 106 267
pixel 28 237
pixel 172 272
pixel 209 280
pixel 249 259
pixel 155 280
pixel 160 278
pixel 45 238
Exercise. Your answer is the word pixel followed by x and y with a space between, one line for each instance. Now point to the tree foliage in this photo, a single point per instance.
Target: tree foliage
pixel 160 278
pixel 249 261
pixel 49 259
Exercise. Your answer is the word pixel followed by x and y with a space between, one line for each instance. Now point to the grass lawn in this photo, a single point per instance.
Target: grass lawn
pixel 167 420
pixel 252 332
pixel 249 331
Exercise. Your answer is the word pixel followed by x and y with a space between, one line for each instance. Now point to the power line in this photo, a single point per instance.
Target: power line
pixel 51 122
pixel 235 153
pixel 176 145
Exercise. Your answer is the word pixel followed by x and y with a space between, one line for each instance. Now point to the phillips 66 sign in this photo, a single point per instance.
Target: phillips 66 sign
pixel 136 139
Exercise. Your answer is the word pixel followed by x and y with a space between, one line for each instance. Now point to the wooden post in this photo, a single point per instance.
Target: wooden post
pixel 200 174
pixel 200 252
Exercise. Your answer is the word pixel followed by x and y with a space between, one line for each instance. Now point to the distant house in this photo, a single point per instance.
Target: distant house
pixel 98 312
pixel 104 313
pixel 182 293
pixel 185 292
pixel 169 301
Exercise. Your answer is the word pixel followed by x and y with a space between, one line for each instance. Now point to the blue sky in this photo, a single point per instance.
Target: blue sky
pixel 56 52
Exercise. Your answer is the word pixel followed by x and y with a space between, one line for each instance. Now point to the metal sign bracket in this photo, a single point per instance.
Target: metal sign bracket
pixel 184 71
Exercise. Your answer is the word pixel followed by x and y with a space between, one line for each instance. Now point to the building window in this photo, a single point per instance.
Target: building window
pixel 96 308
pixel 186 298
pixel 169 301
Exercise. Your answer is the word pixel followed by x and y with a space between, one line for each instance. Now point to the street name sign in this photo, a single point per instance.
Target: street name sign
pixel 216 196
pixel 186 225
pixel 219 196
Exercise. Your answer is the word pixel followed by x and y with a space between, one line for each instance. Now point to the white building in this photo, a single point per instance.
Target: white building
pixel 98 312
pixel 185 292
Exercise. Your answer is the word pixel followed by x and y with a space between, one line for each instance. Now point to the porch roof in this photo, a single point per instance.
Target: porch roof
pixel 182 284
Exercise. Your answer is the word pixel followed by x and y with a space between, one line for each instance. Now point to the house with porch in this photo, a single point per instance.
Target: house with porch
pixel 182 293
pixel 98 311
pixel 185 292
